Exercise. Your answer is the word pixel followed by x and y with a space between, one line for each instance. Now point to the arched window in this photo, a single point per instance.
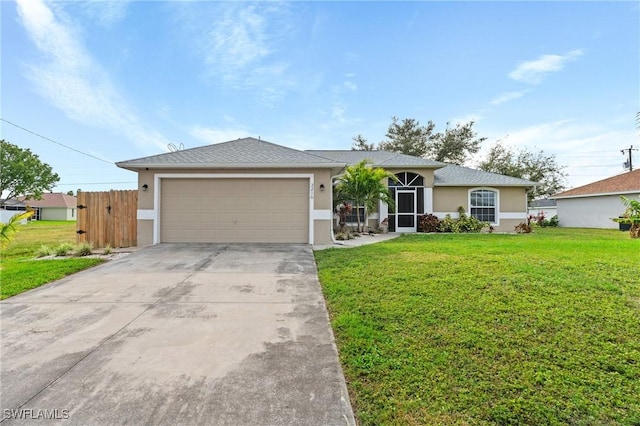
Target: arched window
pixel 483 204
pixel 407 179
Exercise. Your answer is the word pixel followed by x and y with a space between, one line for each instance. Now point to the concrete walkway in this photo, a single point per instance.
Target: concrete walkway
pixel 176 334
pixel 360 241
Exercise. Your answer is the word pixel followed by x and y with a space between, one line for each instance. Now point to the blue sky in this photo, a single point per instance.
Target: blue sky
pixel 121 80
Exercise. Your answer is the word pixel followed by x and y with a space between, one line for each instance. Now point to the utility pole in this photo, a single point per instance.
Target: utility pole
pixel 629 162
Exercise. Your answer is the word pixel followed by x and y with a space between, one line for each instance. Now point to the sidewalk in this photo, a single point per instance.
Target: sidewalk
pixel 360 241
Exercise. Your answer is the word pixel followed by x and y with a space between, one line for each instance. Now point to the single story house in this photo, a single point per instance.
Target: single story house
pixel 52 206
pixel 250 190
pixel 595 204
pixel 545 205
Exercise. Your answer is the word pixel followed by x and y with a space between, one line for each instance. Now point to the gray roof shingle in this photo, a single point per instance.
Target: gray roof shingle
pixel 378 158
pixel 240 153
pixel 255 153
pixel 453 175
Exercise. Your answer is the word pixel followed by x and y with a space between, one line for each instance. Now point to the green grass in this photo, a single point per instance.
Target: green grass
pixel 20 272
pixel 537 329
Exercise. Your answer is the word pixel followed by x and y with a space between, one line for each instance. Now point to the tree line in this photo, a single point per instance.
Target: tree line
pixel 459 144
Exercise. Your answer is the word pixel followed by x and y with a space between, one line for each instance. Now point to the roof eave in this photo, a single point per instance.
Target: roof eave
pixel 523 185
pixel 164 166
pixel 598 194
pixel 409 166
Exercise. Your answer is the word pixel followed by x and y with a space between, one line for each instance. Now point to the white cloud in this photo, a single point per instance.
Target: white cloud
pixel 239 39
pixel 338 112
pixel 507 97
pixel 533 72
pixel 73 82
pixel 350 85
pixel 590 151
pixel 216 135
pixel 105 13
pixel 239 48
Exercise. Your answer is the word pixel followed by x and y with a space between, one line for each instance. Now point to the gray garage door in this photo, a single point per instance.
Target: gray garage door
pixel 234 210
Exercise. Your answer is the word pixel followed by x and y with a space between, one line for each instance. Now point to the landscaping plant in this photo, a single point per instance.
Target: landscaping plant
pixel 9 229
pixel 84 249
pixel 631 216
pixel 363 185
pixel 464 223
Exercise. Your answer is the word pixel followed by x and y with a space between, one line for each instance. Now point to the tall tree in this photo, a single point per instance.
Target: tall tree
pixel 22 172
pixel 407 136
pixel 524 164
pixel 363 185
pixel 361 144
pixel 456 144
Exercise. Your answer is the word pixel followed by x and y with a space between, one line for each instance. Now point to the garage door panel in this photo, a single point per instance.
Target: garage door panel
pixel 234 210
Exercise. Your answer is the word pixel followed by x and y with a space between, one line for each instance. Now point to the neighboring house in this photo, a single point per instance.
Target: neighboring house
pixel 546 206
pixel 595 204
pixel 52 206
pixel 250 190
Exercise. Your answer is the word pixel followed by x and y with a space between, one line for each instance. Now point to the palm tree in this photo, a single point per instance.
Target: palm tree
pixel 8 230
pixel 364 185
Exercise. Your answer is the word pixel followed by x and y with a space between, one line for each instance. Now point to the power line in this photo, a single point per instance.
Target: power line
pixel 57 143
pixel 604 165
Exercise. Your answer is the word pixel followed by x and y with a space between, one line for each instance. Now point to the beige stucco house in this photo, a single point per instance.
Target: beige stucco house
pixel 249 190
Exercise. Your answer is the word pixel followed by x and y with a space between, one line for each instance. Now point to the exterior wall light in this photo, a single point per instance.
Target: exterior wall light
pixel 322 187
pixel 145 187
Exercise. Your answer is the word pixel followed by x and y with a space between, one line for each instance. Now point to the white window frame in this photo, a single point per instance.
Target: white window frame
pixel 496 206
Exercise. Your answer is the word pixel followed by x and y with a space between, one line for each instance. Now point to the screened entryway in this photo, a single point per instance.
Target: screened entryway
pixel 408 194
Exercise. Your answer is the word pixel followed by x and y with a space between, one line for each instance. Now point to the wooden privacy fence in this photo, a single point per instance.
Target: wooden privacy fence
pixel 108 218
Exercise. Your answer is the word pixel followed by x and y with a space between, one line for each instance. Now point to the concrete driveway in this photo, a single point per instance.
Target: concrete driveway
pixel 176 334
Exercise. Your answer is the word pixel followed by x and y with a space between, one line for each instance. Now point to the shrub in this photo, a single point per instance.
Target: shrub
pixel 448 224
pixel 84 249
pixel 523 228
pixel 107 249
pixel 44 250
pixel 63 249
pixel 468 223
pixel 463 224
pixel 542 221
pixel 344 235
pixel 428 223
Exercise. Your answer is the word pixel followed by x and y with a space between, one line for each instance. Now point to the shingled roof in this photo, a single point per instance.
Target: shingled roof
pixel 378 158
pixel 626 183
pixel 255 153
pixel 240 153
pixel 453 175
pixel 50 199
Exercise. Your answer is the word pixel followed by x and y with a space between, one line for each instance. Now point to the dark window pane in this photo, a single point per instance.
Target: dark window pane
pixel 406 202
pixel 352 218
pixel 420 209
pixel 406 221
pixel 392 223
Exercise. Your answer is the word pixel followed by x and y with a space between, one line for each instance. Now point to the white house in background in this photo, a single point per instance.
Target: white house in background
pixel 595 204
pixel 546 206
pixel 52 206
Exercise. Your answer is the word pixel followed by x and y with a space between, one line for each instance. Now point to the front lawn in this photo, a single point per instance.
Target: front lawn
pixel 537 329
pixel 20 272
